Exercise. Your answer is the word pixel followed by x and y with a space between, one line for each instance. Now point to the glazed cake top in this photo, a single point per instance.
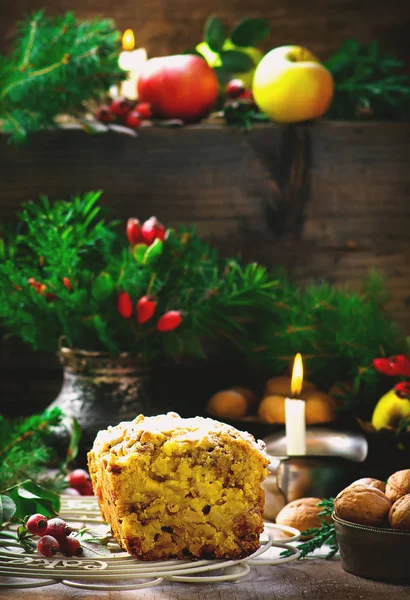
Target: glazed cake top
pixel 126 437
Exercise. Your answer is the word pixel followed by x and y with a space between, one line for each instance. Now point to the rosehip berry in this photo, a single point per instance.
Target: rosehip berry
pixel 169 321
pixel 144 110
pixel 246 95
pixel 120 106
pixel 37 524
pixel 152 230
pixel 145 309
pixel 104 114
pixel 39 287
pixel 124 305
pixel 48 545
pixel 71 546
pixel 86 489
pixel 134 233
pixel 58 529
pixel 78 477
pixel 234 88
pixel 133 120
pixel 70 491
pixel 67 283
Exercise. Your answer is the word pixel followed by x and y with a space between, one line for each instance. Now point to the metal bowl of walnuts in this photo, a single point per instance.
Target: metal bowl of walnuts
pixel 372 523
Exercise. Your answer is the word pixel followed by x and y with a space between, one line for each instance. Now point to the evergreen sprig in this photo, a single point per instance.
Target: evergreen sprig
pixel 368 83
pixel 57 65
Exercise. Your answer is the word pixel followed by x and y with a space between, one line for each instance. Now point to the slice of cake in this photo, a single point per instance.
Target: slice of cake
pixel 179 488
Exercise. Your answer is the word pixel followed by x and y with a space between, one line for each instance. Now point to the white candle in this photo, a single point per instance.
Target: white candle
pixel 295 413
pixel 132 61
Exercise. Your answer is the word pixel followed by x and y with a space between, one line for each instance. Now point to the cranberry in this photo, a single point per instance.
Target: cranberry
pixel 37 524
pixel 234 88
pixel 71 546
pixel 133 120
pixel 58 529
pixel 48 545
pixel 120 106
pixel 86 489
pixel 144 110
pixel 78 477
pixel 104 114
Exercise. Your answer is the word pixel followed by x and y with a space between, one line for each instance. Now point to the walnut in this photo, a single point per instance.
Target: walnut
pixel 272 409
pixel 398 485
pixel 302 514
pixel 227 404
pixel 380 485
pixel 362 504
pixel 399 515
pixel 281 386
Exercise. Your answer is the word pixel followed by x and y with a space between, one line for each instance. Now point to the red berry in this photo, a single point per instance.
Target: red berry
pixel 37 524
pixel 78 477
pixel 152 230
pixel 234 88
pixel 120 106
pixel 39 287
pixel 104 114
pixel 70 491
pixel 133 120
pixel 144 110
pixel 48 545
pixel 71 546
pixel 67 283
pixel 58 529
pixel 246 95
pixel 86 489
pixel 124 305
pixel 134 233
pixel 169 321
pixel 145 309
pixel 50 296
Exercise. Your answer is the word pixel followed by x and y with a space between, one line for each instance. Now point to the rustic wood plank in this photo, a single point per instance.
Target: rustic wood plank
pixel 304 580
pixel 171 26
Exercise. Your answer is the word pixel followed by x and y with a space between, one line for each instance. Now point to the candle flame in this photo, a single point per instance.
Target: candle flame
pixel 128 40
pixel 297 376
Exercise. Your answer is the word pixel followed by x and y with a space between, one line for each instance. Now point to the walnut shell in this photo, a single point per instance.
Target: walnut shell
pixel 398 485
pixel 272 409
pixel 227 404
pixel 380 485
pixel 249 396
pixel 319 408
pixel 362 504
pixel 301 513
pixel 399 515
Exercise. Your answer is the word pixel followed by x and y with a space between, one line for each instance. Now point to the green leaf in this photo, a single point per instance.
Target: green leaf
pixel 7 509
pixel 153 252
pixel 215 35
pixel 222 75
pixel 250 32
pixel 31 498
pixel 75 436
pixel 103 287
pixel 235 61
pixel 139 252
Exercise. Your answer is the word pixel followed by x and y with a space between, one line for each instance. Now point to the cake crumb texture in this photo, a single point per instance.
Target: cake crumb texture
pixel 180 488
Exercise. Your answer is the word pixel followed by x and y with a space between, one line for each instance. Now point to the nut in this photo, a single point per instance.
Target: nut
pixel 362 504
pixel 249 396
pixel 281 386
pixel 302 514
pixel 272 409
pixel 380 485
pixel 319 408
pixel 398 485
pixel 399 515
pixel 227 404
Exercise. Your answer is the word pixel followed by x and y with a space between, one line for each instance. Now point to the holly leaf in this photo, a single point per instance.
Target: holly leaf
pixel 30 498
pixel 139 253
pixel 7 508
pixel 250 32
pixel 215 35
pixel 153 252
pixel 235 61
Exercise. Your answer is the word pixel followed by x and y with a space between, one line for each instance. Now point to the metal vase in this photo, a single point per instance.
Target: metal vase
pixel 100 390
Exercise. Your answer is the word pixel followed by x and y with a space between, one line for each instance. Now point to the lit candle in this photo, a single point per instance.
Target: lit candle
pixel 132 61
pixel 295 413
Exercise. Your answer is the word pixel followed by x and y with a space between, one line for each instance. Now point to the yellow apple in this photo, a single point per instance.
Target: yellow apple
pixel 389 410
pixel 214 60
pixel 291 85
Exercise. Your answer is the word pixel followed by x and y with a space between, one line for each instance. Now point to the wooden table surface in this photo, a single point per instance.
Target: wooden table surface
pixel 309 579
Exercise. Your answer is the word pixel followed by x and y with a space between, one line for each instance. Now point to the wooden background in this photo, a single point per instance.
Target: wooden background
pixel 329 201
pixel 171 26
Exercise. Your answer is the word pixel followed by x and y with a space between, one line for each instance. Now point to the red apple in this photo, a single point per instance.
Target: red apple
pixel 178 87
